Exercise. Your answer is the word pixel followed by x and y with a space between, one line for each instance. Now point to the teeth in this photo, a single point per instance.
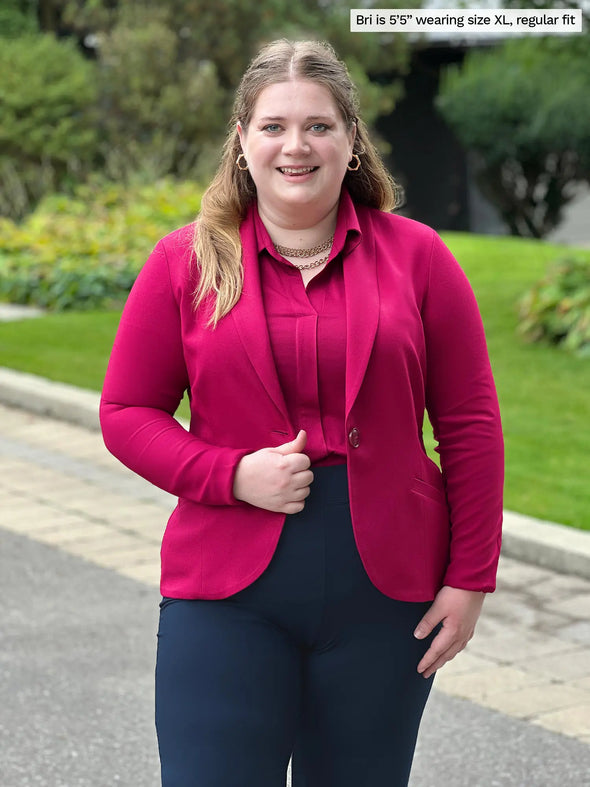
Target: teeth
pixel 296 170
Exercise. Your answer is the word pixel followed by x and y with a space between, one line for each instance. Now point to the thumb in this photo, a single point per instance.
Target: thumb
pixel 295 446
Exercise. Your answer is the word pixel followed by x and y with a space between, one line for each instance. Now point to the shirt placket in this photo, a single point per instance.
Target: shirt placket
pixel 308 393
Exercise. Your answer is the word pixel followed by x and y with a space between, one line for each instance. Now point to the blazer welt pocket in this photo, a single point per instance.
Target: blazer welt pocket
pixel 425 489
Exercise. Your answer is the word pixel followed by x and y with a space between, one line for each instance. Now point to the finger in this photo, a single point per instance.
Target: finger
pixel 296 463
pixel 430 620
pixel 293 493
pixel 299 494
pixel 432 657
pixel 293 507
pixel 442 649
pixel 439 645
pixel 296 493
pixel 303 478
pixel 442 660
pixel 295 446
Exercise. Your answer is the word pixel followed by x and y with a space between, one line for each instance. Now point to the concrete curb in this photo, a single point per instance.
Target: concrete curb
pixel 46 397
pixel 545 544
pixel 14 311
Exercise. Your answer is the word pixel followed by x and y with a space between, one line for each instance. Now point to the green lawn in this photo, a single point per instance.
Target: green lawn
pixel 71 347
pixel 544 393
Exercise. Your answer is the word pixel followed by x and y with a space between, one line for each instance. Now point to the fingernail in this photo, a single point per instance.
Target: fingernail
pixel 419 633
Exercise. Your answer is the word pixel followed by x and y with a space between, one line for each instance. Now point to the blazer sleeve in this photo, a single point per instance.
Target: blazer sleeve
pixel 463 408
pixel 145 380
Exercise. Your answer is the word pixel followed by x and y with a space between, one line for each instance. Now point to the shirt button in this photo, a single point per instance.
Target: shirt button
pixel 354 437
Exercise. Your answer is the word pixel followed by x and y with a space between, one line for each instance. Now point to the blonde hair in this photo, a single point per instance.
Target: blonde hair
pixel 224 204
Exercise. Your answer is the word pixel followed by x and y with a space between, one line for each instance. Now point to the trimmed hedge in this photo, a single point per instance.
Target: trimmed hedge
pixel 85 252
pixel 557 308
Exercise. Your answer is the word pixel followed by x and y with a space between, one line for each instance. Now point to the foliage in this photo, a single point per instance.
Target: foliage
pixel 557 308
pixel 167 71
pixel 48 136
pixel 143 89
pixel 228 34
pixel 85 252
pixel 17 18
pixel 160 109
pixel 523 110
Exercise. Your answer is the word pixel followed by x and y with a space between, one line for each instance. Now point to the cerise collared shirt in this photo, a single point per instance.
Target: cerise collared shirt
pixel 307 329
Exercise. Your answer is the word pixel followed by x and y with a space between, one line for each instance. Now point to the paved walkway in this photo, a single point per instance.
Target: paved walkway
pixel 530 659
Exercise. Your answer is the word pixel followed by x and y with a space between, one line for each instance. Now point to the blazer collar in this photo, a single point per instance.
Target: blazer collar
pixel 355 237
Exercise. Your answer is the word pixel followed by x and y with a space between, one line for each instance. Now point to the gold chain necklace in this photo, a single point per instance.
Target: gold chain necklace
pixel 312 264
pixel 286 251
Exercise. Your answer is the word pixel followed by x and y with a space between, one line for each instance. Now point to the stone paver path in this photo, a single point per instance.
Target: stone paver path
pixel 530 658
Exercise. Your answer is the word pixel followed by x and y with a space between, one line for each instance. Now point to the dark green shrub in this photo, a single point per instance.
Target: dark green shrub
pixel 557 308
pixel 17 18
pixel 85 252
pixel 48 131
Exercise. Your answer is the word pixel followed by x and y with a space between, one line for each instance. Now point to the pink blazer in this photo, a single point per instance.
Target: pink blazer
pixel 414 341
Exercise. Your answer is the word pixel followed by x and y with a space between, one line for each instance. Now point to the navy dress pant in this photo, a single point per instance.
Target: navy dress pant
pixel 311 660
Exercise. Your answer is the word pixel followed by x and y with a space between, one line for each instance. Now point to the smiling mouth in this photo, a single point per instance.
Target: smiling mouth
pixel 297 170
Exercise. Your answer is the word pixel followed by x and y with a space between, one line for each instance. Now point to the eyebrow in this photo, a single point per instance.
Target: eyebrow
pixel 273 118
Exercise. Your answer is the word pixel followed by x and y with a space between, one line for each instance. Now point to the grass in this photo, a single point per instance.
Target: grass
pixel 544 393
pixel 70 347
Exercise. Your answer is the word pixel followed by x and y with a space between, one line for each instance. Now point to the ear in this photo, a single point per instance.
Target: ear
pixel 352 136
pixel 241 133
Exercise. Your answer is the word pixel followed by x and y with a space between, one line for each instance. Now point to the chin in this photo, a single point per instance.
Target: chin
pixel 301 196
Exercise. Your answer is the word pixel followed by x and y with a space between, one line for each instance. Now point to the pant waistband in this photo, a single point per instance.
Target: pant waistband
pixel 329 486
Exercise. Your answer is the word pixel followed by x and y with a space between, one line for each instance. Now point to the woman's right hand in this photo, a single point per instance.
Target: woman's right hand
pixel 276 479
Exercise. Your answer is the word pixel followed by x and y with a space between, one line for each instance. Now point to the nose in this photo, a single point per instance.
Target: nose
pixel 295 143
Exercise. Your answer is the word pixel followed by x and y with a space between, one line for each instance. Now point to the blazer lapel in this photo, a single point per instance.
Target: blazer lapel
pixel 250 319
pixel 362 308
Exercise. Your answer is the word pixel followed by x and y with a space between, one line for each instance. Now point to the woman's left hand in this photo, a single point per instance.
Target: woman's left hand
pixel 458 611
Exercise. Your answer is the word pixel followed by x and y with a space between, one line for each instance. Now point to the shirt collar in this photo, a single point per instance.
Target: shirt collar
pixel 346 236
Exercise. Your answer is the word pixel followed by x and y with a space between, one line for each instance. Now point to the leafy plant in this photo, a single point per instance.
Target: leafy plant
pixel 557 308
pixel 84 252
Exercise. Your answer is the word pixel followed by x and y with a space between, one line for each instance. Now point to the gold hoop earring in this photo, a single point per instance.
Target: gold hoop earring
pixel 242 169
pixel 358 164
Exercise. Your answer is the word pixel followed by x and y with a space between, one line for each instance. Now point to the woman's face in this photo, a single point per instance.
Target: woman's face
pixel 297 147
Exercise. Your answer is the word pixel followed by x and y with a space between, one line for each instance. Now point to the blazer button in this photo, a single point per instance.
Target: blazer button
pixel 354 437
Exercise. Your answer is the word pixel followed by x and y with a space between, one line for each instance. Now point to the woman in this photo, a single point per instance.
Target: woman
pixel 319 567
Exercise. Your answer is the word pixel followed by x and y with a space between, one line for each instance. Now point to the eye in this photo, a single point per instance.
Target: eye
pixel 319 127
pixel 272 128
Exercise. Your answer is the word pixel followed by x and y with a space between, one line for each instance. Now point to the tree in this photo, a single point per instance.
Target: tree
pixel 17 18
pixel 168 71
pixel 523 111
pixel 161 77
pixel 159 110
pixel 47 119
